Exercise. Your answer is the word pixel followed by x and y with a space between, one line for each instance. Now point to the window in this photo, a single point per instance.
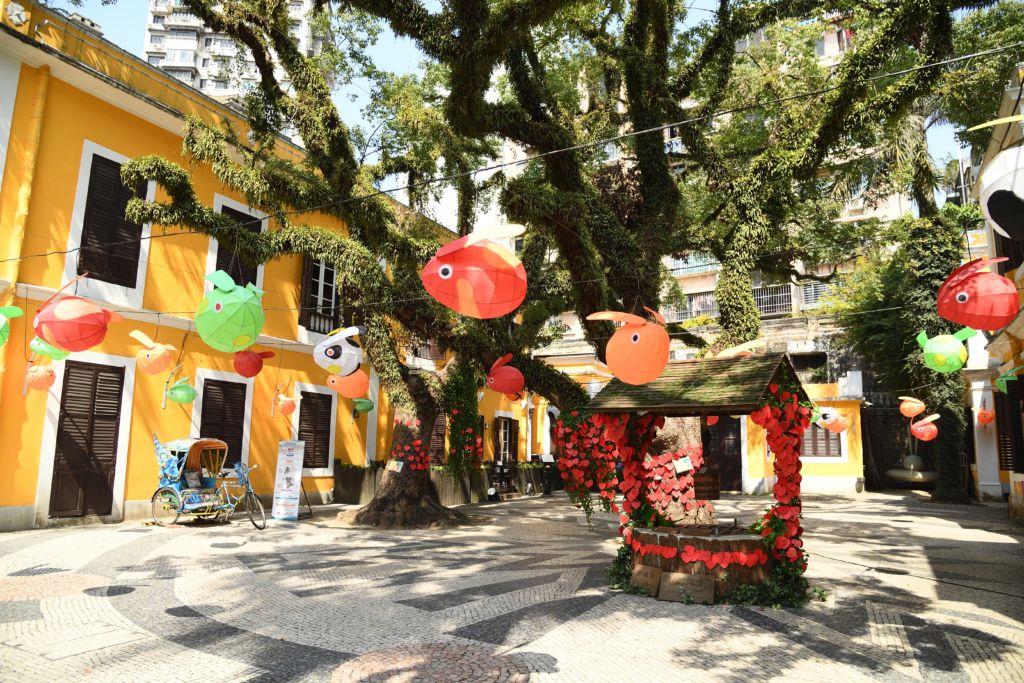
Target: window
pixel 811 292
pixel 206 61
pixel 222 416
pixel 427 349
pixel 183 76
pixel 843 38
pixel 690 264
pixel 186 33
pixel 1010 428
pixel 821 443
pixel 207 42
pixel 506 439
pixel 436 451
pixel 227 259
pixel 819 47
pixel 110 242
pixel 181 56
pixel 158 19
pixel 156 40
pixel 316 415
pixel 319 310
pixel 773 299
pixel 155 61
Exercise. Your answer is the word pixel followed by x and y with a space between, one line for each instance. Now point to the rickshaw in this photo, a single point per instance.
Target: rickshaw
pixel 193 481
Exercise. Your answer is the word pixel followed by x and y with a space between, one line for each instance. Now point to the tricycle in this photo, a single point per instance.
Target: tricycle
pixel 193 481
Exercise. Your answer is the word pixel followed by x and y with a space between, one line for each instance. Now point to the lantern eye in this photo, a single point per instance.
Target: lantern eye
pixel 218 306
pixel 635 338
pixel 962 297
pixel 490 380
pixel 445 271
pixel 333 351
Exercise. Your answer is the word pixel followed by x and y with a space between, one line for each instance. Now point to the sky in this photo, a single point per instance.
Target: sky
pixel 124 24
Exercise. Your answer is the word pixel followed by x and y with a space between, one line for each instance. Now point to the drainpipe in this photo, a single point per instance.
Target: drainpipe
pixel 12 271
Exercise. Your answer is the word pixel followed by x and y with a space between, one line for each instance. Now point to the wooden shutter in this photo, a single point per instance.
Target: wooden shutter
pixel 227 259
pixel 1010 433
pixel 86 454
pixel 307 297
pixel 513 440
pixel 110 243
pixel 315 418
pixel 819 442
pixel 496 436
pixel 437 441
pixel 223 415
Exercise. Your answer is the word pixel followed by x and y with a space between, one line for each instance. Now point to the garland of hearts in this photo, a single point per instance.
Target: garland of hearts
pixel 414 455
pixel 464 441
pixel 785 420
pixel 690 554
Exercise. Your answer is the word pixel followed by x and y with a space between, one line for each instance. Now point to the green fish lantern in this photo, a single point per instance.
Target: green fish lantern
pixel 42 348
pixel 945 352
pixel 6 313
pixel 230 317
pixel 1008 376
pixel 362 405
pixel 182 392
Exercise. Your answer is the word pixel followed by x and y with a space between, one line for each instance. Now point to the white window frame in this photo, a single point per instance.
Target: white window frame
pixel 203 374
pixel 317 389
pixel 129 297
pixel 305 335
pixel 219 202
pixel 48 445
pixel 844 449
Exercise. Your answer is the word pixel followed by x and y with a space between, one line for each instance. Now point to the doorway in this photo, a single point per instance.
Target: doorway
pixel 85 455
pixel 723 450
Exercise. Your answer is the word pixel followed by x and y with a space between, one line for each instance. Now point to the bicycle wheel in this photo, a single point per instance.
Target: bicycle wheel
pixel 166 506
pixel 254 508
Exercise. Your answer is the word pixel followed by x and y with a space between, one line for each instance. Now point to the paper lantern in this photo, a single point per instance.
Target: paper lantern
pixel 712 420
pixel 986 416
pixel 840 424
pixel 504 378
pixel 925 429
pixel 6 313
pixel 638 351
pixel 362 405
pixel 978 299
pixel 476 276
pixel 350 386
pixel 230 317
pixel 249 363
pixel 338 354
pixel 182 392
pixel 945 352
pixel 287 404
pixel 152 358
pixel 40 377
pixel 72 323
pixel 41 348
pixel 911 407
pixel 1008 376
pixel 832 420
pixel 1001 192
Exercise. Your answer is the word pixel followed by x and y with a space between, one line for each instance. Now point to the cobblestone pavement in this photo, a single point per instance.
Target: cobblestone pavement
pixel 916 592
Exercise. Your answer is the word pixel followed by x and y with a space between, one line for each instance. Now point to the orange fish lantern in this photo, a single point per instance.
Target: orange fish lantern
pixel 40 377
pixel 638 351
pixel 978 299
pixel 72 323
pixel 152 358
pixel 476 276
pixel 925 429
pixel 352 385
pixel 911 407
pixel 504 378
pixel 286 405
pixel 249 363
pixel 832 420
pixel 986 416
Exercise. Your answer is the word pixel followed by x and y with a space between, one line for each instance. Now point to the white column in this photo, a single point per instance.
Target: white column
pixel 986 451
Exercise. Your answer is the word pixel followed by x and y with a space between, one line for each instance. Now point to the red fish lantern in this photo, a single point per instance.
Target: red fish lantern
pixel 911 407
pixel 40 377
pixel 638 351
pixel 925 429
pixel 504 378
pixel 477 277
pixel 286 405
pixel 249 363
pixel 72 323
pixel 978 299
pixel 352 385
pixel 712 420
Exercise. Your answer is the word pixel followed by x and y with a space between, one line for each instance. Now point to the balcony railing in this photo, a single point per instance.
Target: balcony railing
pixel 774 300
pixel 698 304
pixel 693 264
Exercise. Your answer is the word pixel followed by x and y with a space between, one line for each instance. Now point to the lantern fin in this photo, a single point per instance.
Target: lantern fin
pixel 501 362
pixel 965 334
pixel 221 281
pixel 11 311
pixel 617 316
pixel 930 418
pixel 922 338
pixel 142 338
pixel 657 316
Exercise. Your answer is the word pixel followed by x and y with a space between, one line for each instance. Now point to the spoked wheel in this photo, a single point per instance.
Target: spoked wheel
pixel 254 508
pixel 166 504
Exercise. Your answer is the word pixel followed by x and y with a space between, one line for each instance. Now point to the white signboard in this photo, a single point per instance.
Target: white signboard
pixel 683 464
pixel 288 482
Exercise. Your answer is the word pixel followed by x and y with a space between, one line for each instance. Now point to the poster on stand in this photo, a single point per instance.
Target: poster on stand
pixel 288 480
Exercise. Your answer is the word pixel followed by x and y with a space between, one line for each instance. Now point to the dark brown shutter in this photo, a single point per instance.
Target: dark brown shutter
pixel 1010 432
pixel 223 415
pixel 110 243
pixel 437 441
pixel 819 442
pixel 307 297
pixel 513 440
pixel 496 436
pixel 315 418
pixel 86 454
pixel 227 259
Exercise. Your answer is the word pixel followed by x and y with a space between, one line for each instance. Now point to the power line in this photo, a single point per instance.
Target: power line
pixel 573 148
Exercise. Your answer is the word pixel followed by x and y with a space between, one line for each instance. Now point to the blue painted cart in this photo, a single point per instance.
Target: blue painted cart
pixel 193 481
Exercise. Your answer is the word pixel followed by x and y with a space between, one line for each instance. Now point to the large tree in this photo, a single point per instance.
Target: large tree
pixel 568 73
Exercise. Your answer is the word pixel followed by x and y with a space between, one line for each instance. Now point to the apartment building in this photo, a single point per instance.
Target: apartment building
pixel 179 43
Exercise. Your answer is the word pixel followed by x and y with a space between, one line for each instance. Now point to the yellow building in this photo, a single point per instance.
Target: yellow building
pixel 73 108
